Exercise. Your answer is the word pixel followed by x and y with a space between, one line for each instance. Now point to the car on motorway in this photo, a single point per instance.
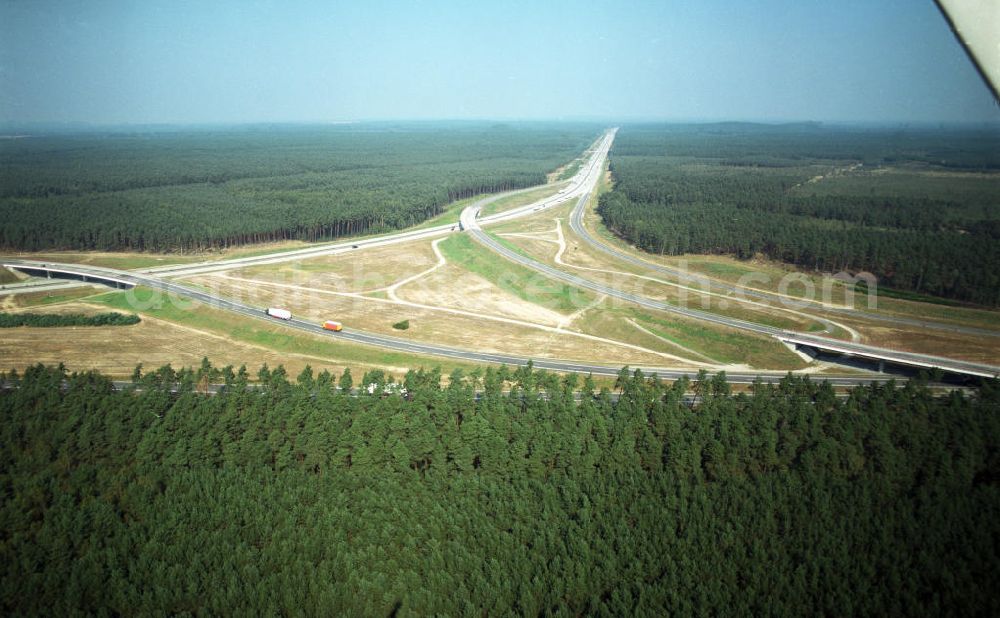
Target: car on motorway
pixel 334 326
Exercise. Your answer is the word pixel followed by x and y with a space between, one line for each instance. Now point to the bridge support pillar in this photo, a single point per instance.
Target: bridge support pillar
pixel 881 366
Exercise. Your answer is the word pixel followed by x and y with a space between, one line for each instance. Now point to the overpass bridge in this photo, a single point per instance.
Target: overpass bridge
pixel 882 357
pixel 68 271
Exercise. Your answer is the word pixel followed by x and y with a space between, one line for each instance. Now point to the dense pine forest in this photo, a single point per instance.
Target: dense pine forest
pixel 295 498
pixel 203 189
pixel 918 208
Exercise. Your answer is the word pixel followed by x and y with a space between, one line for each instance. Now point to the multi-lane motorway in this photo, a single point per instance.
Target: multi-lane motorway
pixel 824 344
pixel 571 188
pixel 336 248
pixel 579 188
pixel 578 227
pixel 383 341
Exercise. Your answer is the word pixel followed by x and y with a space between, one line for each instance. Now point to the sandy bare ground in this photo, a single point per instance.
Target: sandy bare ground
pixel 972 348
pixel 455 288
pixel 855 336
pixel 79 306
pixel 363 271
pixel 573 317
pixel 28 300
pixel 446 295
pixel 8 303
pixel 391 290
pixel 116 350
pixel 445 286
pixel 481 330
pixel 439 288
pixel 557 237
pixel 776 271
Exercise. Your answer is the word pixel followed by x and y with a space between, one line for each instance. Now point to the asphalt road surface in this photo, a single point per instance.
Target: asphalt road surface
pixel 403 345
pixel 573 187
pixel 576 223
pixel 472 225
pixel 581 185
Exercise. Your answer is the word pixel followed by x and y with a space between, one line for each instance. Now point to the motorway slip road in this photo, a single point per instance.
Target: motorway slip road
pixel 580 187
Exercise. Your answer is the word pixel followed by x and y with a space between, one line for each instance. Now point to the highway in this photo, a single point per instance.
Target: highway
pixel 336 248
pixel 572 188
pixel 472 225
pixel 577 225
pixel 395 343
pixel 580 187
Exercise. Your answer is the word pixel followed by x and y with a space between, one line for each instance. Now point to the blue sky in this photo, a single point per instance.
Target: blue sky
pixel 178 61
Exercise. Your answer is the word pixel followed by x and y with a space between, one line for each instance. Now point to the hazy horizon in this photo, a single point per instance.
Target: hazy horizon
pixel 188 63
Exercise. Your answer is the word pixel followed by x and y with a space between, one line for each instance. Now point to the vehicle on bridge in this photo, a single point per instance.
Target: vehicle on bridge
pixel 334 326
pixel 281 314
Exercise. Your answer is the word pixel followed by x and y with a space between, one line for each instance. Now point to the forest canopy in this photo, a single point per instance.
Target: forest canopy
pixel 189 190
pixel 295 497
pixel 918 208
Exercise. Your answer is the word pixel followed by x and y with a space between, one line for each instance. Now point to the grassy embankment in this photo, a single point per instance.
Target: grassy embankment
pixel 272 336
pixel 514 278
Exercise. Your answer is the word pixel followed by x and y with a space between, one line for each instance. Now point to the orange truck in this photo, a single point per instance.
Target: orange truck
pixel 331 325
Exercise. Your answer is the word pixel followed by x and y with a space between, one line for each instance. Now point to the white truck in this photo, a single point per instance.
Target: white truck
pixel 281 314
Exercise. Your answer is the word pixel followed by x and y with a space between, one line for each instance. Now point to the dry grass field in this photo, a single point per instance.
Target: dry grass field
pixel 477 302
